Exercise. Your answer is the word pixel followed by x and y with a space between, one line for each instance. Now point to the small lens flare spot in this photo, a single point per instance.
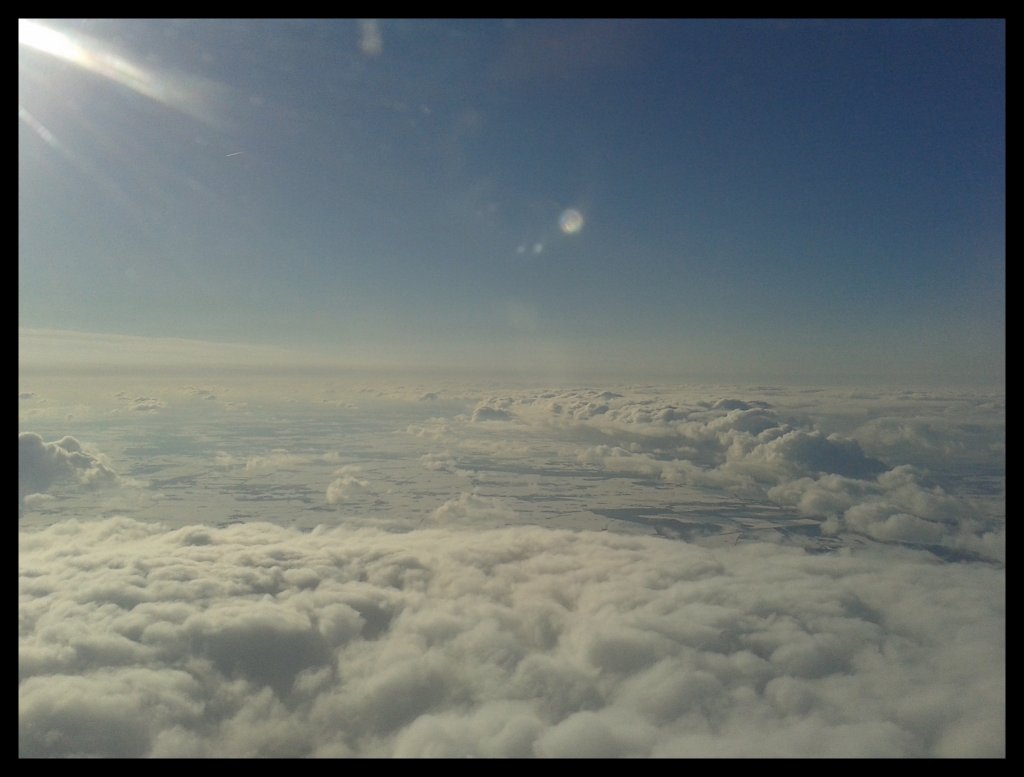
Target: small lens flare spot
pixel 571 221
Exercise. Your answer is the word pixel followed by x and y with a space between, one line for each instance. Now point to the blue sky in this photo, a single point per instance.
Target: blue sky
pixel 769 200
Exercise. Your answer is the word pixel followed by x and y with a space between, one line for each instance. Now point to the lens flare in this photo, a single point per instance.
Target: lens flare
pixel 571 221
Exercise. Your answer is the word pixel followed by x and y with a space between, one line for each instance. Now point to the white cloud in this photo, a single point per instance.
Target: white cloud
pixel 751 449
pixel 41 464
pixel 256 639
pixel 199 393
pixel 798 451
pixel 347 484
pixel 485 413
pixel 442 462
pixel 34 501
pixel 143 404
pixel 896 507
pixel 225 460
pixel 275 460
pixel 473 629
pixel 474 508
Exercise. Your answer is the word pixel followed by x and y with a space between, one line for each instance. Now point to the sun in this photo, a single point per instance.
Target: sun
pixel 57 44
pixel 175 90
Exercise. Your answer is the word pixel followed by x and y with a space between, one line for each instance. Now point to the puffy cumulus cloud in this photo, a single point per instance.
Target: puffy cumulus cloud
pixel 223 460
pixel 899 432
pixel 42 464
pixel 260 640
pixel 439 462
pixel 275 460
pixel 35 501
pixel 776 453
pixel 433 428
pixel 487 413
pixel 347 484
pixel 141 404
pixel 614 458
pixel 938 441
pixel 706 428
pixel 199 392
pixel 756 451
pixel 147 404
pixel 471 507
pixel 897 506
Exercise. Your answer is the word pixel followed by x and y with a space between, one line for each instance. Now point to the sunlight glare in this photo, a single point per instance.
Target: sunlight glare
pixel 176 92
pixel 36 36
pixel 38 128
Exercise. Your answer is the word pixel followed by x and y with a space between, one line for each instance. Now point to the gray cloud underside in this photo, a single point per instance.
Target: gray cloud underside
pixel 260 640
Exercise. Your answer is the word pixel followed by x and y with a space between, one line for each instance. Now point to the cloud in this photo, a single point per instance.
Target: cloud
pixel 936 440
pixel 42 464
pixel 435 428
pixel 147 404
pixel 35 501
pixel 486 623
pixel 474 508
pixel 757 451
pixel 199 393
pixel 346 484
pixel 275 460
pixel 224 460
pixel 261 640
pixel 141 404
pixel 484 413
pixel 799 451
pixel 897 506
pixel 440 462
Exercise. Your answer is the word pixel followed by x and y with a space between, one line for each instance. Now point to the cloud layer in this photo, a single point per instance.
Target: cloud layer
pixel 488 579
pixel 256 639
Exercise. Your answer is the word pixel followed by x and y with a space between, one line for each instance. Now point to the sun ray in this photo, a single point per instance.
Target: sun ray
pixel 182 93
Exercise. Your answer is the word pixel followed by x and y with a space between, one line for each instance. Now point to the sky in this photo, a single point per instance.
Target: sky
pixel 507 388
pixel 795 201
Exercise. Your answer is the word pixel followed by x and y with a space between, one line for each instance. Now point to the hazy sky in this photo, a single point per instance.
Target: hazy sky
pixel 813 201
